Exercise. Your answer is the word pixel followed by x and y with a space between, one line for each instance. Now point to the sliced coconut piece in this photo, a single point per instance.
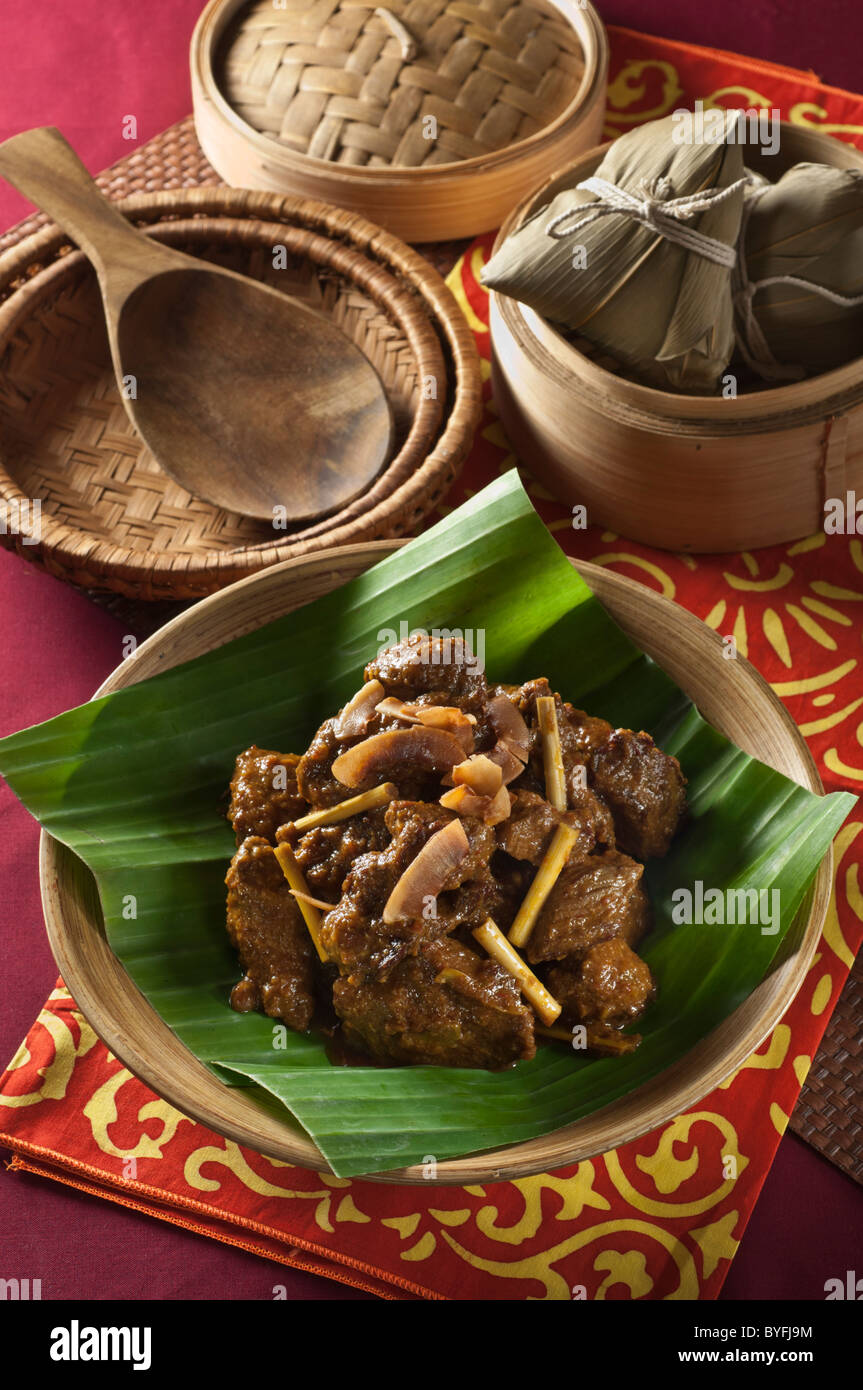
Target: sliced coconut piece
pixel 491 810
pixel 427 750
pixel 480 774
pixel 354 719
pixel 501 756
pixel 509 726
pixel 426 875
pixel 510 766
pixel 447 717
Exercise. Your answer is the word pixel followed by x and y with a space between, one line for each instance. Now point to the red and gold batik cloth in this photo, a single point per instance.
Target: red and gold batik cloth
pixel 659 1218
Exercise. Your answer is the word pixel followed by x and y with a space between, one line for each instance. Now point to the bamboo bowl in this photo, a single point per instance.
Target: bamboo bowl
pixel 332 121
pixel 110 518
pixel 685 473
pixel 730 694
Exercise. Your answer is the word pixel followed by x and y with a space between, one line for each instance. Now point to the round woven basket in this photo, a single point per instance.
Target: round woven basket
pixel 430 117
pixel 108 516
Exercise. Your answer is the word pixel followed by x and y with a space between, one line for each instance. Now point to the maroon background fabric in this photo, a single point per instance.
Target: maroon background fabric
pixel 826 38
pixel 85 68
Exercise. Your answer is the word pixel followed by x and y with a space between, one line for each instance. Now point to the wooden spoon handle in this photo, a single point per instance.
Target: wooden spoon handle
pixel 43 166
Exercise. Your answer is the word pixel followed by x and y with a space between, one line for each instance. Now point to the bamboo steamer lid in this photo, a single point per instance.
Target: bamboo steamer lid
pixel 429 117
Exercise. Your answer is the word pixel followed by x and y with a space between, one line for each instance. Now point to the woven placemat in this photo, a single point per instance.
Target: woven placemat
pixel 827 1115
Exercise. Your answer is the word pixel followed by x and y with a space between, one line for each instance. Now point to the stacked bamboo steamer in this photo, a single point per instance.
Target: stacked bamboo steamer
pixel 429 117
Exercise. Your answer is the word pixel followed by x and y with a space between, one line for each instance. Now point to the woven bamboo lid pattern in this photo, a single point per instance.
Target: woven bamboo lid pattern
pixel 419 83
pixel 430 117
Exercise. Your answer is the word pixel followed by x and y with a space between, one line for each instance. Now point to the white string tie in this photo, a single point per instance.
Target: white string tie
pixel 656 210
pixel 751 341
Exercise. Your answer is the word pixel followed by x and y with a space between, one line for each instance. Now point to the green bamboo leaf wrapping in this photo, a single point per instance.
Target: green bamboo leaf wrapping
pixel 134 783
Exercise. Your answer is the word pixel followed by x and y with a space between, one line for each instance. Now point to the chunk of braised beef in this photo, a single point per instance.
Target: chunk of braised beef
pixel 327 853
pixel 471 904
pixel 532 822
pixel 497 895
pixel 446 1006
pixel 322 788
pixel 442 669
pixel 412 823
pixel 609 985
pixel 315 769
pixel 417 819
pixel 592 817
pixel 513 878
pixel 271 938
pixel 644 788
pixel 355 934
pixel 586 731
pixel 594 898
pixel 264 793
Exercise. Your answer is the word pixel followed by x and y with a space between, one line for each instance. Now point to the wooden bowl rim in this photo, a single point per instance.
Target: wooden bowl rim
pixel 556 1149
pixel 648 407
pixel 213 22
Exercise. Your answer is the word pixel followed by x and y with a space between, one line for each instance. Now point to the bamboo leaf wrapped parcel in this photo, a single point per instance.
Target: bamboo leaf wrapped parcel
pixel 638 259
pixel 800 284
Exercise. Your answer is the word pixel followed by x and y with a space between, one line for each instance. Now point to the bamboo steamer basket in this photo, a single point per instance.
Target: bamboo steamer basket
pixel 326 100
pixel 110 518
pixel 685 473
pixel 730 694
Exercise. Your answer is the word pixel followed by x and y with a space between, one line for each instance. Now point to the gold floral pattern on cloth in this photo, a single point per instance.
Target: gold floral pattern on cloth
pixel 651 77
pixel 659 1218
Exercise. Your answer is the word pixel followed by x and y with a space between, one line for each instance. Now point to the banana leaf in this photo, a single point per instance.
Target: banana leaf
pixel 134 784
pixel 665 313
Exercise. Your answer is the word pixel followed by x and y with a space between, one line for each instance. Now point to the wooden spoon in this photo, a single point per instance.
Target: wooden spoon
pixel 245 396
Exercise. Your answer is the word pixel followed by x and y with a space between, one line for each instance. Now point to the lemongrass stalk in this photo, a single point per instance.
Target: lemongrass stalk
pixel 311 916
pixel 366 801
pixel 492 938
pixel 558 1034
pixel 546 876
pixel 552 754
